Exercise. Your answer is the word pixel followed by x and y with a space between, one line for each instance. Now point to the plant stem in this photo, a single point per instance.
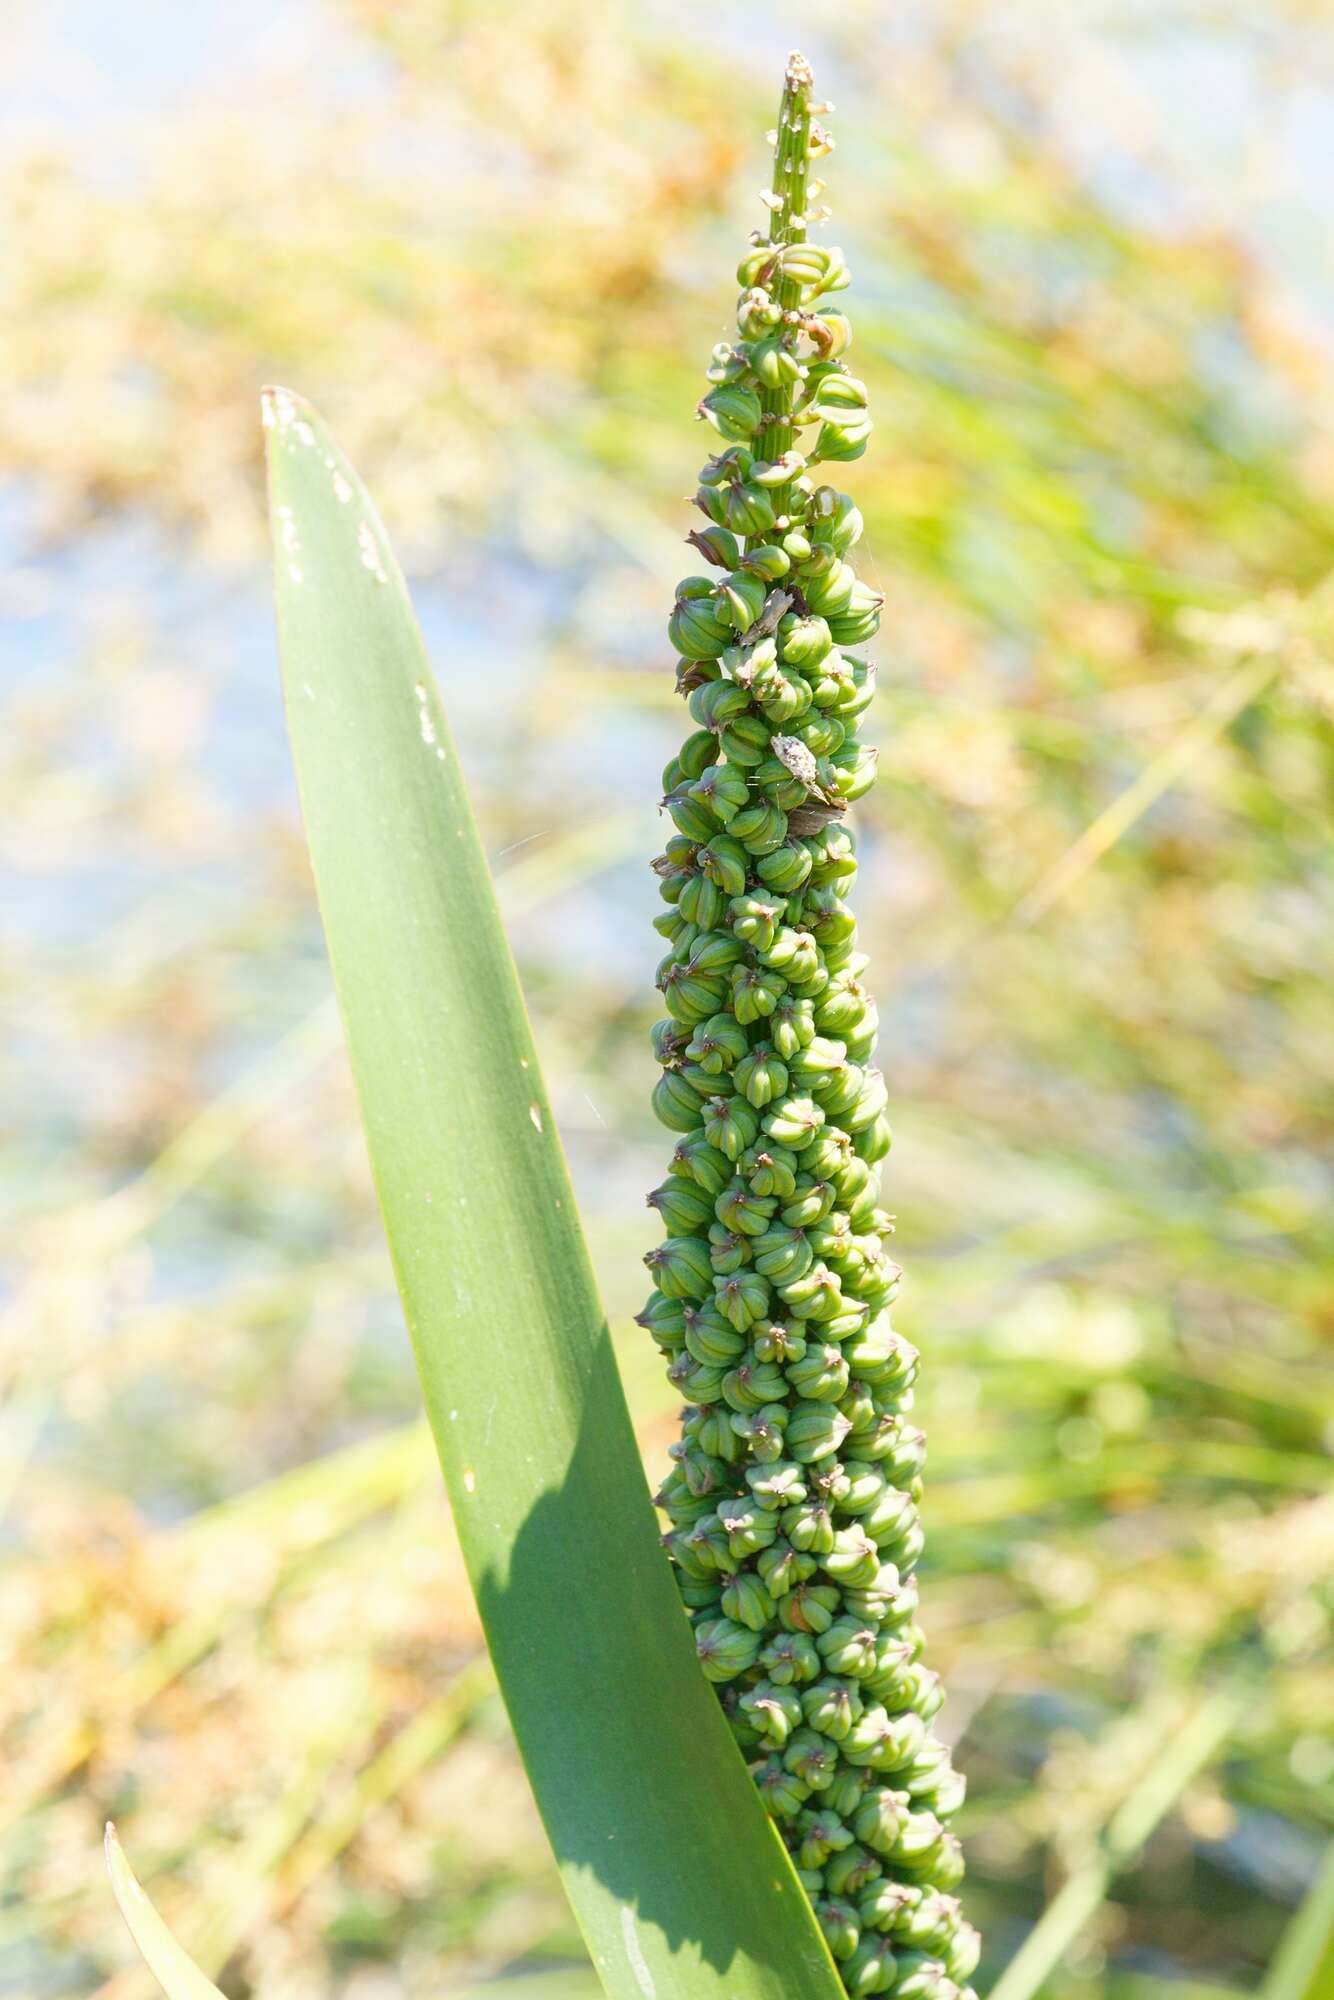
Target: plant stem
pixel 1130 1826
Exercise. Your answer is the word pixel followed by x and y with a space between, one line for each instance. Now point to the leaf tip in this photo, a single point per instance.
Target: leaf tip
pixel 286 415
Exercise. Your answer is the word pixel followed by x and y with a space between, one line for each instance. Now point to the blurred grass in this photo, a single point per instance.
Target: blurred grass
pixel 1101 500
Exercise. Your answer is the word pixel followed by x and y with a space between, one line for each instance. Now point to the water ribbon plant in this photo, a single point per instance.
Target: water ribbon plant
pixel 792 1499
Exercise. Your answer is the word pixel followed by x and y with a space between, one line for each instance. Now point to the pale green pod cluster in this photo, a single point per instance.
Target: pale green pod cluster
pixel 793 1500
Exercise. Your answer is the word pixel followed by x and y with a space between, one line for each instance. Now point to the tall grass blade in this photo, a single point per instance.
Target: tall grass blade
pixel 170 1964
pixel 675 1874
pixel 1303 1966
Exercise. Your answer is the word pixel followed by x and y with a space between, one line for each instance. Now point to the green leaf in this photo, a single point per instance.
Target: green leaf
pixel 1303 1966
pixel 172 1967
pixel 679 1881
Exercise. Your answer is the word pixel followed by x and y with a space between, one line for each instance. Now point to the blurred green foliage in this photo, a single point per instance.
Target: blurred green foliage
pixel 496 243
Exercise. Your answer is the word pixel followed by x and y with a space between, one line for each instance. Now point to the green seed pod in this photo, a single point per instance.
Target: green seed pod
pixel 694 628
pixel 741 598
pixel 675 1104
pixel 783 1792
pixel 725 1649
pixel 784 870
pixel 777 1486
pixel 854 1560
pixel 717 546
pixel 762 1431
pixel 756 992
pixel 789 1658
pixel 739 1209
pixel 761 1076
pixel 850 1872
pixel 741 1298
pixel 682 1208
pixel 809 1608
pixel 753 1385
pixel 813 1758
pixel 747 1602
pixel 709 1339
pixel 848 1649
pixel 822 1833
pixel 872 1967
pixel 831 1707
pixel 922 1978
pixel 782 1567
pixel 722 790
pixel 839 1923
pixel 733 410
pixel 716 1044
pixel 773 362
pixel 773 1711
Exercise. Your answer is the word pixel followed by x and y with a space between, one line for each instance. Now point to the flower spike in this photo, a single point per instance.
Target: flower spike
pixel 795 1483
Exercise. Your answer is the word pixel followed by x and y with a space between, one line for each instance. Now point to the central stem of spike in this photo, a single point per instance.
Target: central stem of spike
pixel 791 158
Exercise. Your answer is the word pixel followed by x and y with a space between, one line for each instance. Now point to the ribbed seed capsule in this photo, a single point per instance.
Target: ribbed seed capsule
pixel 792 1500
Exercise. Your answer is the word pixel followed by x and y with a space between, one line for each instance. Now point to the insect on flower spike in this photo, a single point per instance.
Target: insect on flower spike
pixel 792 1500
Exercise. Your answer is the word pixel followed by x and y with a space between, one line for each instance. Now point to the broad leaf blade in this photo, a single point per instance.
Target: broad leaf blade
pixel 679 1881
pixel 170 1964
